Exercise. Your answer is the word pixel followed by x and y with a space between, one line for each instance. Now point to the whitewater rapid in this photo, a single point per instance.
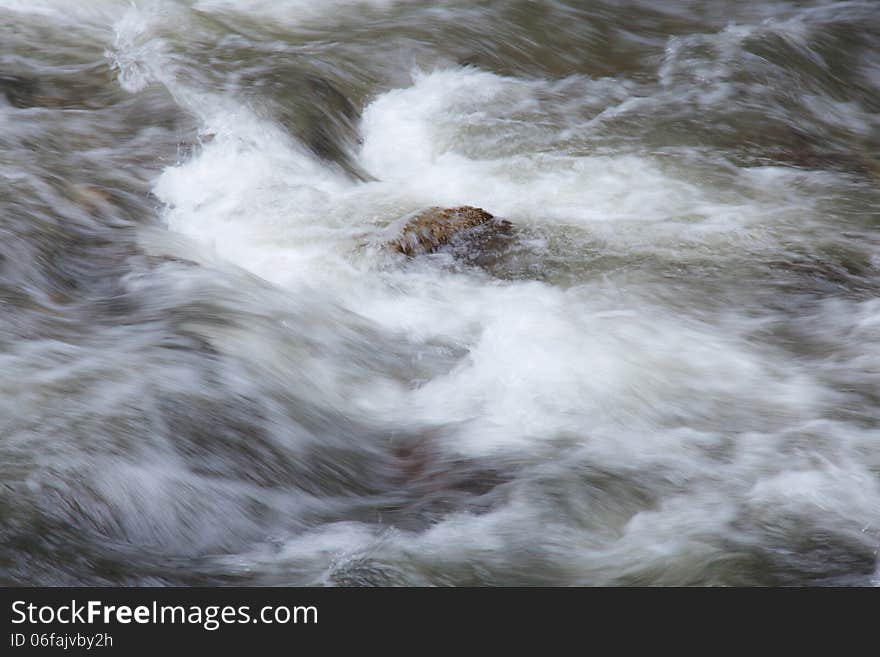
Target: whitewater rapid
pixel 671 378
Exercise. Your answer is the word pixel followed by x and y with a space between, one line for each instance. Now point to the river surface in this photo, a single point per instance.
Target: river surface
pixel 212 372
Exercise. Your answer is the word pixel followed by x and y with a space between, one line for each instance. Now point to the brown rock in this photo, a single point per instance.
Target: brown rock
pixel 432 228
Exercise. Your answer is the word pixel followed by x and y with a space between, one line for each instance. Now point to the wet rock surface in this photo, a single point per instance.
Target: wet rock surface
pixel 472 234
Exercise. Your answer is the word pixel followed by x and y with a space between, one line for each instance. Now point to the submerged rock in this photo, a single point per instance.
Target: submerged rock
pixel 470 231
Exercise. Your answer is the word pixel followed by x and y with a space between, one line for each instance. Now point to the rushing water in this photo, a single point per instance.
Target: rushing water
pixel 212 373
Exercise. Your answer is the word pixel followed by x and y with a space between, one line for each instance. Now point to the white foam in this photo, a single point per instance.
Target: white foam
pixel 265 203
pixel 606 368
pixel 542 361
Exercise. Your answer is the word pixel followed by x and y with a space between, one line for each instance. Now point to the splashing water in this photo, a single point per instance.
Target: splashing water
pixel 212 372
